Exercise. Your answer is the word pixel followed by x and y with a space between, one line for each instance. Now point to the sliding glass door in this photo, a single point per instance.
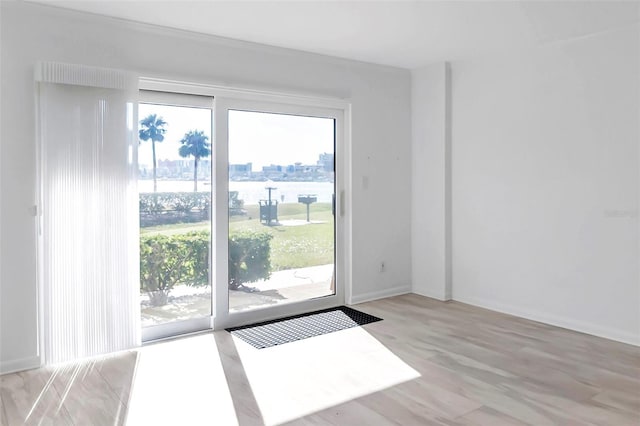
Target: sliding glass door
pixel 277 231
pixel 239 218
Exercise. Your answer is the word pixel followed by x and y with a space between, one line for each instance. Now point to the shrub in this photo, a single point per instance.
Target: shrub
pixel 249 257
pixel 151 203
pixel 168 260
pixel 161 208
pixel 184 202
pixel 158 202
pixel 162 265
pixel 197 265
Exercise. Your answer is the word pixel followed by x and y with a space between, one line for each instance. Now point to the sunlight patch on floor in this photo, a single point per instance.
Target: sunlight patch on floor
pixel 181 382
pixel 303 377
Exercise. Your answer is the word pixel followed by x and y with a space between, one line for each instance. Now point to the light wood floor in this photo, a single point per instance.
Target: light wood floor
pixel 428 362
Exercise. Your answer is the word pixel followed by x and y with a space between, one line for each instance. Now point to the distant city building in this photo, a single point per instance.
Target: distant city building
pixel 321 171
pixel 272 169
pixel 326 162
pixel 204 168
pixel 171 168
pixel 240 168
pixel 178 169
pixel 241 171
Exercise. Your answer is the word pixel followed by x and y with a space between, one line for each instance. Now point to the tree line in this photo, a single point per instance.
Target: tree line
pixel 194 144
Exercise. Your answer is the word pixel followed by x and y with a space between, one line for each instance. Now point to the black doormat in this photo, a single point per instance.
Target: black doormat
pixel 298 327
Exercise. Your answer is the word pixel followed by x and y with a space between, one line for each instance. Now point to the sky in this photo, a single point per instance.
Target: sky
pixel 179 121
pixel 259 138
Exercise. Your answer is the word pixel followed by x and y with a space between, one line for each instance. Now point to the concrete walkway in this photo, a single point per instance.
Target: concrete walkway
pixel 295 277
pixel 284 287
pixel 287 286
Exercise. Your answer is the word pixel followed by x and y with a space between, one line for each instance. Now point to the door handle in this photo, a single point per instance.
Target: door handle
pixel 333 204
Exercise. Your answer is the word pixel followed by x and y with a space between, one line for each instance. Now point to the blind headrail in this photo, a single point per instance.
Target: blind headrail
pixel 83 75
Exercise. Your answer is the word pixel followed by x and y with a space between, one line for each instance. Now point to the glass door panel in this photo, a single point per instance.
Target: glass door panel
pixel 281 209
pixel 174 158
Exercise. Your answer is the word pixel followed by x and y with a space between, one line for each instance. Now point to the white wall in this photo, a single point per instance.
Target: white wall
pixel 546 184
pixel 380 98
pixel 431 181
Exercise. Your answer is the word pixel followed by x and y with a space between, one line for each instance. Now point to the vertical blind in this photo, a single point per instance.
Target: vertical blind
pixel 89 210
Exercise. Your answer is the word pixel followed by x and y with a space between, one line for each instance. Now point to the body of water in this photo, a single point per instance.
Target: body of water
pixel 250 192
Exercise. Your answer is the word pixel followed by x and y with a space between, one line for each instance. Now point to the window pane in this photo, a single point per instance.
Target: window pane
pixel 174 158
pixel 281 222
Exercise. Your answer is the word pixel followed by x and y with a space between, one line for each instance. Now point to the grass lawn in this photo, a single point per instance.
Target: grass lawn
pixel 291 246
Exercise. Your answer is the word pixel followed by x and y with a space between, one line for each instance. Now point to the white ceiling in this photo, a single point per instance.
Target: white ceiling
pixel 405 34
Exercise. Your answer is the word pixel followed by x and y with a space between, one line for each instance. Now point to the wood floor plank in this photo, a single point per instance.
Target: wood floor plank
pixel 118 371
pixel 488 416
pixel 86 396
pixel 352 413
pixel 3 412
pixel 625 401
pixel 29 398
pixel 426 363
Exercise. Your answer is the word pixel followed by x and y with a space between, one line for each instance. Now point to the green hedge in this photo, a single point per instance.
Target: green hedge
pixel 169 260
pixel 163 208
pixel 249 257
pixel 155 203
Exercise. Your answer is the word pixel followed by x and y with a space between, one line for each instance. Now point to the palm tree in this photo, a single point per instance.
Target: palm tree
pixel 195 143
pixel 152 127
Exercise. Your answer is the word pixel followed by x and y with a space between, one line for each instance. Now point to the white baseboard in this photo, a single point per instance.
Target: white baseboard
pixel 563 322
pixel 12 366
pixel 381 294
pixel 430 295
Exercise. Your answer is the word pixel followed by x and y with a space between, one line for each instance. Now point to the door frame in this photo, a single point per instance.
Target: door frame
pixel 225 98
pixel 191 325
pixel 222 317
